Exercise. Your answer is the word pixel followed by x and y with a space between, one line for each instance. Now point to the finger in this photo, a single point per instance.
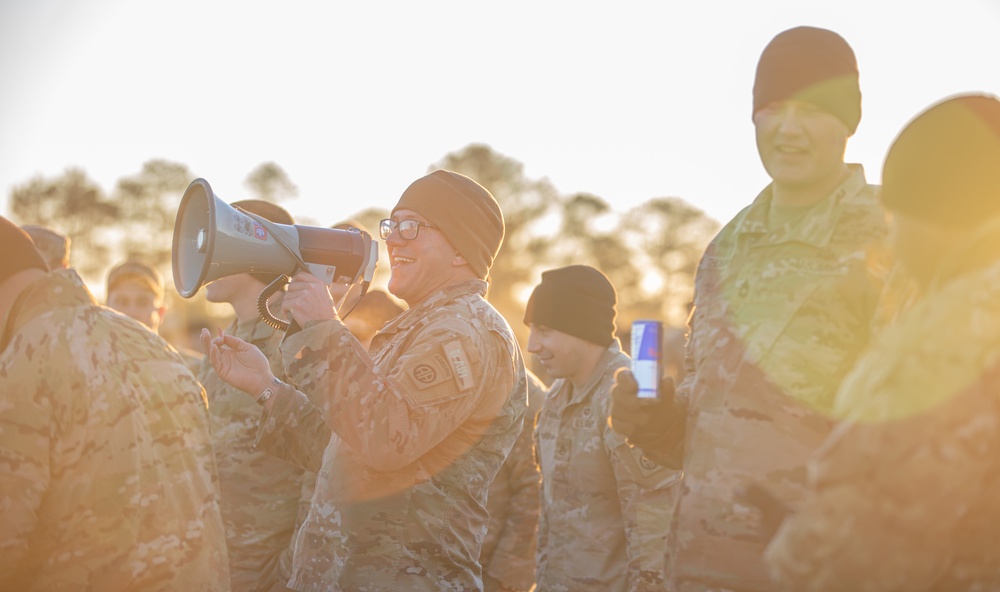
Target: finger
pixel 667 388
pixel 304 278
pixel 625 382
pixel 206 341
pixel 622 426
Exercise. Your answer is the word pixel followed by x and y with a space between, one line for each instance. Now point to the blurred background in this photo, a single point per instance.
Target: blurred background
pixel 617 135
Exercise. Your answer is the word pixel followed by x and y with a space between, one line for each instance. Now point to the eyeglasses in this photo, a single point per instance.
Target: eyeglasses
pixel 408 229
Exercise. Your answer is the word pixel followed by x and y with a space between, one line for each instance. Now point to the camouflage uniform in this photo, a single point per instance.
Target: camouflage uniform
pixel 508 554
pixel 107 480
pixel 905 489
pixel 780 316
pixel 260 493
pixel 605 508
pixel 413 436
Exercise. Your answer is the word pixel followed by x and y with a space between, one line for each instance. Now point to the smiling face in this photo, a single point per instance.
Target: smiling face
pixel 563 355
pixel 423 265
pixel 801 146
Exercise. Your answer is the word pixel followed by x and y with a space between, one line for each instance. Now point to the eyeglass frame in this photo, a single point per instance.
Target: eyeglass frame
pixel 393 225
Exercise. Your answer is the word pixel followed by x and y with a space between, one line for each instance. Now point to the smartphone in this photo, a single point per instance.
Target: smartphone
pixel 646 358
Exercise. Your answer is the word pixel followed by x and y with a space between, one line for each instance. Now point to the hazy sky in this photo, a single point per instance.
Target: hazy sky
pixel 625 100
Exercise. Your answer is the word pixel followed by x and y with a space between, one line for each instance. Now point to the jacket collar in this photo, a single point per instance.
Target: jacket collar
pixel 411 316
pixel 815 228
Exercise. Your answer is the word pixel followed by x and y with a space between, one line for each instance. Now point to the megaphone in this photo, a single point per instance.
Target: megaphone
pixel 213 240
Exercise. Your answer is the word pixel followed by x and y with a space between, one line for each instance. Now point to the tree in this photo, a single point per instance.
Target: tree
pixel 524 203
pixel 75 205
pixel 670 236
pixel 147 208
pixel 270 182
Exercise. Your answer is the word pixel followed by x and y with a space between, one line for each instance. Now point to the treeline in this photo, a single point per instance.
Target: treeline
pixel 649 252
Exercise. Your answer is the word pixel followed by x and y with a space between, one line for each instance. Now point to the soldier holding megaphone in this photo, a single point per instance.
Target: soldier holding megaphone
pixel 414 431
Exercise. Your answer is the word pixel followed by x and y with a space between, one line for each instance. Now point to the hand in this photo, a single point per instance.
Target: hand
pixel 308 299
pixel 237 362
pixel 654 425
pixel 772 510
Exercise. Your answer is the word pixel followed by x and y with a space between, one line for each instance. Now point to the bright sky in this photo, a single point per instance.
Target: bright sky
pixel 356 99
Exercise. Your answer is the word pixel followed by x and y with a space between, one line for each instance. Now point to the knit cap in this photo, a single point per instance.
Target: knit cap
pixel 19 252
pixel 577 300
pixel 463 210
pixel 814 66
pixel 944 167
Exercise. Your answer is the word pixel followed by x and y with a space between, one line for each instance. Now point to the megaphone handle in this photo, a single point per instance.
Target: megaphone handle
pixel 265 313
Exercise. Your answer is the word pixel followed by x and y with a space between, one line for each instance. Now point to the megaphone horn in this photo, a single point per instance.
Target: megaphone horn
pixel 213 240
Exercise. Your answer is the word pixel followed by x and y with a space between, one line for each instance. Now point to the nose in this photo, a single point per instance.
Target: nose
pixel 533 347
pixel 789 121
pixel 394 238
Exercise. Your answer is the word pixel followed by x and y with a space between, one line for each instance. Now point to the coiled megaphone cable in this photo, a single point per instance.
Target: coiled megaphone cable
pixel 291 326
pixel 265 313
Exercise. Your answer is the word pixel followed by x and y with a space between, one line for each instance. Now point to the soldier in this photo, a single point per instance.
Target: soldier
pixel 106 474
pixel 783 303
pixel 260 493
pixel 135 289
pixel 53 245
pixel 508 554
pixel 904 490
pixel 605 508
pixel 415 430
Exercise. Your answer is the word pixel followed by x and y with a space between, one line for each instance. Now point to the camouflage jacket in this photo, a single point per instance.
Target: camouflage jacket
pixel 904 492
pixel 107 480
pixel 413 435
pixel 260 493
pixel 508 554
pixel 605 508
pixel 780 315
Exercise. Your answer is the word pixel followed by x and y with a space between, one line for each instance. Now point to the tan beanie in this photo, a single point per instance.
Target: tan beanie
pixel 463 210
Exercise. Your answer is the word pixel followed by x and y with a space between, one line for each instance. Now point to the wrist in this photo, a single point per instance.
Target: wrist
pixel 268 391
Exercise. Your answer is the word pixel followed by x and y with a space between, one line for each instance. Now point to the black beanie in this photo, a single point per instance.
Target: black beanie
pixel 270 212
pixel 577 300
pixel 19 252
pixel 463 210
pixel 944 167
pixel 812 65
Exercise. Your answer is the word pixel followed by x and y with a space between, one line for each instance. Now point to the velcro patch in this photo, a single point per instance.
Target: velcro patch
pixel 459 362
pixel 429 371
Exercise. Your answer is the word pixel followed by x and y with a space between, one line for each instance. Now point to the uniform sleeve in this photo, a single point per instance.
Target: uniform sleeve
pixel 647 492
pixel 513 560
pixel 394 415
pixel 897 505
pixel 294 430
pixel 25 446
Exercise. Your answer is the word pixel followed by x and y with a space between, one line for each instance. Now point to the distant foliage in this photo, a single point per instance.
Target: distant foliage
pixel 649 252
pixel 270 182
pixel 75 205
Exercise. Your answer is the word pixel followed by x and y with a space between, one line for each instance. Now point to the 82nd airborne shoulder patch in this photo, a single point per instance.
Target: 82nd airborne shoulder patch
pixel 429 371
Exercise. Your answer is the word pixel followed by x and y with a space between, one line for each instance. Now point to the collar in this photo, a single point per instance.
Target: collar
pixel 815 227
pixel 450 293
pixel 607 359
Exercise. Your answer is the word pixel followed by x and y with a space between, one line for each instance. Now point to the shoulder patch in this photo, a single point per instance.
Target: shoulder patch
pixel 431 370
pixel 458 359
